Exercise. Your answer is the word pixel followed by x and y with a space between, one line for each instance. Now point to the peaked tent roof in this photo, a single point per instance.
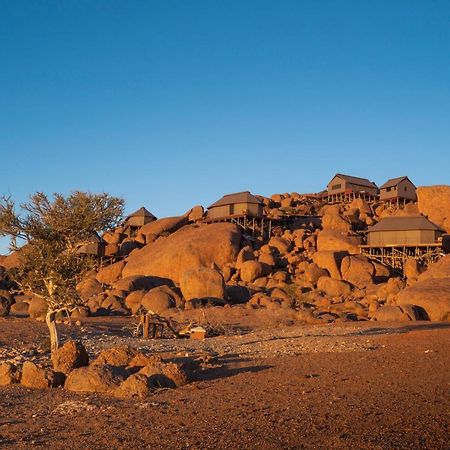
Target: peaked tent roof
pixel 238 197
pixel 357 180
pixel 405 223
pixel 393 182
pixel 141 212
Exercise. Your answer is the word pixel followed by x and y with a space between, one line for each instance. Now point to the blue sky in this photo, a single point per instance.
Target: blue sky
pixel 175 103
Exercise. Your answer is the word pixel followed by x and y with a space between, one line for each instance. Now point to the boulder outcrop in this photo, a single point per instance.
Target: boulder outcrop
pixel 110 274
pixel 332 287
pixel 434 202
pixel 159 299
pixel 331 261
pixel 357 270
pixel 433 295
pixel 202 283
pixel 190 248
pixel 152 230
pixel 332 240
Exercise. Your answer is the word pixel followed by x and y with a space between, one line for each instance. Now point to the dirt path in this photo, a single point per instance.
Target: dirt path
pixel 355 386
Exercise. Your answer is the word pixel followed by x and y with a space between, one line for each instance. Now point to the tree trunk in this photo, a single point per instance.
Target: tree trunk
pixel 51 324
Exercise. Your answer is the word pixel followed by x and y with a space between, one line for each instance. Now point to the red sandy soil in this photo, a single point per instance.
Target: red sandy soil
pixel 361 386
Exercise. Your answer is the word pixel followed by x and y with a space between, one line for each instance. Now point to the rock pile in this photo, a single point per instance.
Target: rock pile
pixel 119 371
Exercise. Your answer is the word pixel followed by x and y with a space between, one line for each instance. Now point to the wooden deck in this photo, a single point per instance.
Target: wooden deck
pixel 349 197
pixel 262 226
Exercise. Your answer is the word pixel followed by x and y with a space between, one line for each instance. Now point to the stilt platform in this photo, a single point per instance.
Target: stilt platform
pixel 395 256
pixel 264 226
pixel 343 197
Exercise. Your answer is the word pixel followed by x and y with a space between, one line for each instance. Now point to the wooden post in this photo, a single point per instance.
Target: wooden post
pixel 145 327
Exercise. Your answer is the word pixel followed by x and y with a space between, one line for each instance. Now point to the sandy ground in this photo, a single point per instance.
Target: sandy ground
pixel 268 385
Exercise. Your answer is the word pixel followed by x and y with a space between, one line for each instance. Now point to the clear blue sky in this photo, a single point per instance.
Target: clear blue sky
pixel 175 103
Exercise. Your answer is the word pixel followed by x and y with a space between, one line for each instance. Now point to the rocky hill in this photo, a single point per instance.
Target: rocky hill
pixel 313 266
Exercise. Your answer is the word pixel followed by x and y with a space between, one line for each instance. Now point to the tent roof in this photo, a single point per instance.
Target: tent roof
pixel 405 223
pixel 237 197
pixel 141 212
pixel 356 180
pixel 393 182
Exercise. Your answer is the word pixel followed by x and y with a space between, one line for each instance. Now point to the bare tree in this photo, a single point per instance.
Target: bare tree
pixel 46 233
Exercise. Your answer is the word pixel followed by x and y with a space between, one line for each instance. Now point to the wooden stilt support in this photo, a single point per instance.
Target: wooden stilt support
pixel 145 326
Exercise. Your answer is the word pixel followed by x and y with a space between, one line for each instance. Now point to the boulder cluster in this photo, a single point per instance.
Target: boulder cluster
pixel 119 371
pixel 312 265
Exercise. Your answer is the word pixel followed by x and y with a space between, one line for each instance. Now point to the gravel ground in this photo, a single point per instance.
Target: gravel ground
pixel 354 385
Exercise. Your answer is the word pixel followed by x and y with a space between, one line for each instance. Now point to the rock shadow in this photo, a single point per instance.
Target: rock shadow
pixel 226 371
pixel 402 329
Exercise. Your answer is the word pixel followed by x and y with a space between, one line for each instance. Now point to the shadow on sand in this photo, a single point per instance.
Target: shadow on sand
pixel 403 329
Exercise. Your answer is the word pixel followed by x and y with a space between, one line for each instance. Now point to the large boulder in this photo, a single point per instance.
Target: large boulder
pixel 135 386
pixel 267 259
pixel 89 287
pixel 111 237
pixel 192 247
pixel 331 261
pixel 37 307
pixel 152 230
pixel 332 287
pixel 357 270
pixel 440 269
pixel 202 283
pixel 382 272
pixel 412 269
pixel 20 308
pixel 95 378
pixel 361 205
pixel 195 214
pixel 393 286
pixel 39 377
pixel 110 274
pixel 336 222
pixel 166 375
pixel 159 299
pixel 332 240
pixel 246 254
pixel 282 245
pixel 9 374
pixel 134 299
pixel 115 356
pixel 433 295
pixel 152 374
pixel 394 313
pixel 126 247
pixel 314 272
pixel 434 202
pixel 70 356
pixel 251 270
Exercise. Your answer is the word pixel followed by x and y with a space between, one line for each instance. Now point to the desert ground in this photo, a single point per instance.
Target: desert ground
pixel 266 383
